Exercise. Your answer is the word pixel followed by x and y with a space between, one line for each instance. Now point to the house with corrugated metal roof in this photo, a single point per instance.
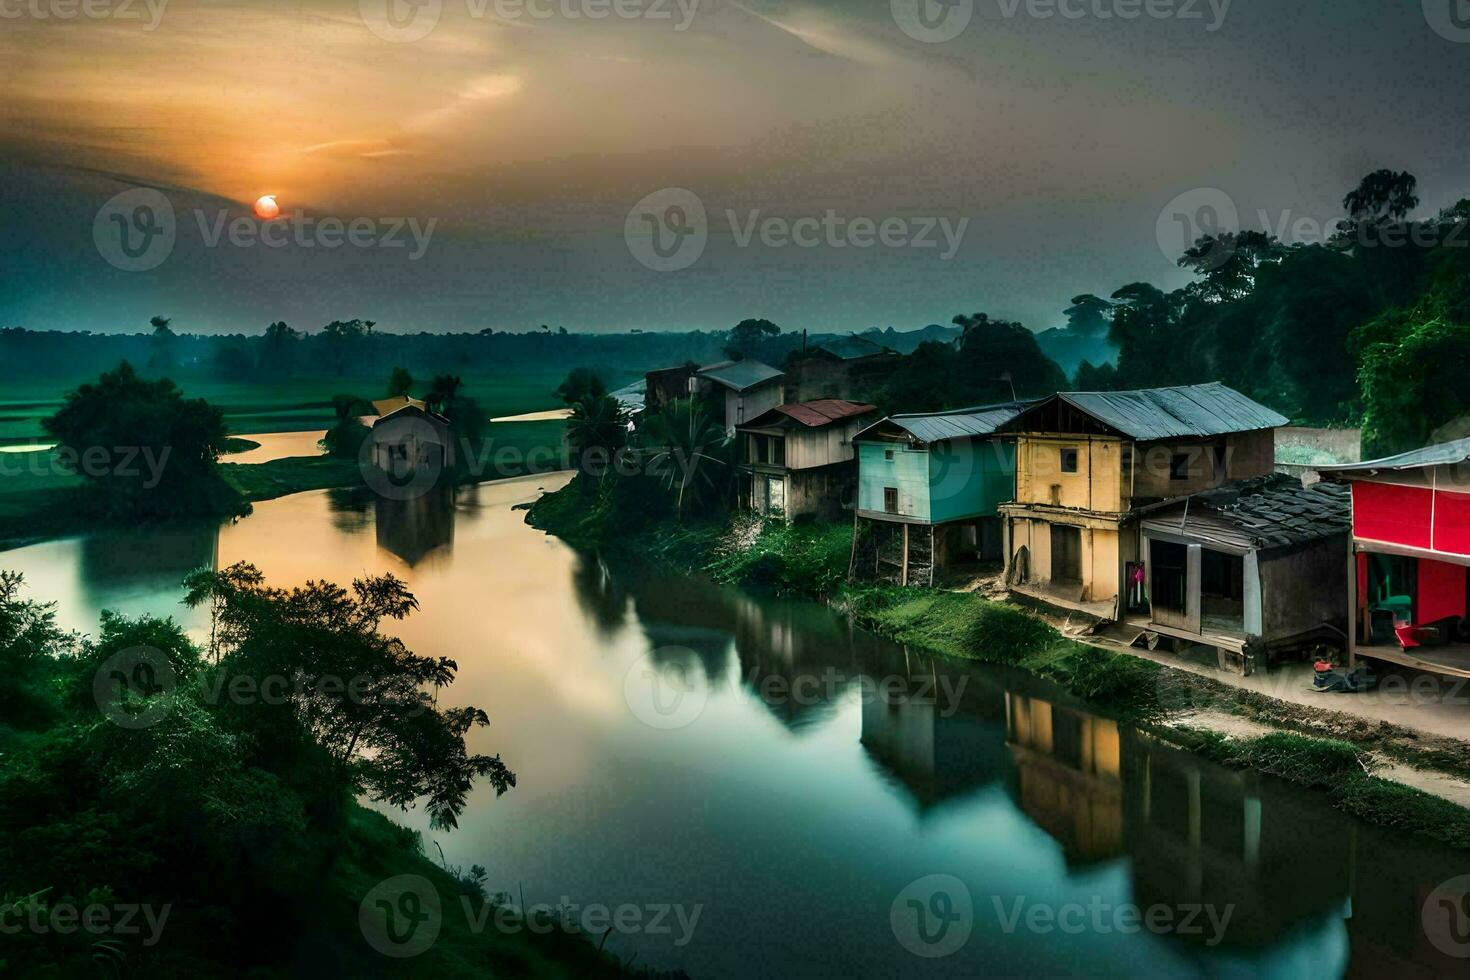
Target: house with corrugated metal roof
pixel 747 388
pixel 1409 599
pixel 846 367
pixel 798 459
pixel 929 486
pixel 1086 461
pixel 1253 568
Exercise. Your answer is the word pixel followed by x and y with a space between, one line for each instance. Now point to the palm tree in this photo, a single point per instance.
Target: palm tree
pixel 598 422
pixel 690 449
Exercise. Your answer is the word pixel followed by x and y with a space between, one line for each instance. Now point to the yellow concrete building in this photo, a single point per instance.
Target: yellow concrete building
pixel 1086 462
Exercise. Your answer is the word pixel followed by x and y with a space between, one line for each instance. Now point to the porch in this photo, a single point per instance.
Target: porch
pixel 1410 609
pixel 1452 660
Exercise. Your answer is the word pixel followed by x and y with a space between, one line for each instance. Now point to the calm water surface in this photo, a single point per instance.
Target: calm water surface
pixel 798 782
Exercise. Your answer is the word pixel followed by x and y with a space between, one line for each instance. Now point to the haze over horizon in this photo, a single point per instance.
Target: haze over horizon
pixel 496 163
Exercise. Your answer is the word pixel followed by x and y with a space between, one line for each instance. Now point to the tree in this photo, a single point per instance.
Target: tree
pixel 1227 263
pixel 999 360
pixel 400 382
pixel 362 696
pixel 1088 315
pixel 144 449
pixel 596 429
pixel 161 345
pixel 345 340
pixel 580 384
pixel 347 434
pixel 278 350
pixel 690 454
pixel 1381 197
pixel 748 339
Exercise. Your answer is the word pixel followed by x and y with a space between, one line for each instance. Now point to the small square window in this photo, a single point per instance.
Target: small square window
pixel 1179 466
pixel 1069 461
pixel 888 455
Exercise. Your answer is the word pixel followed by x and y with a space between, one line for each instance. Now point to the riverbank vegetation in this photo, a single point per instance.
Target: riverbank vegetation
pixel 138 769
pixel 1313 747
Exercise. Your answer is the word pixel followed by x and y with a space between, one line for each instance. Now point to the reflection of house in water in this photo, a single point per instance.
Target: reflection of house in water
pixel 675 615
pixel 1069 767
pixel 937 746
pixel 1200 833
pixel 796 658
pixel 413 529
pixel 600 594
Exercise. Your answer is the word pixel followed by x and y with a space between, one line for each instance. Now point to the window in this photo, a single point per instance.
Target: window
pixel 778 451
pixel 888 455
pixel 1179 466
pixel 1069 460
pixel 890 500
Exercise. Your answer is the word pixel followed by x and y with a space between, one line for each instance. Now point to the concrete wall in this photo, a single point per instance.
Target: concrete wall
pixel 1246 455
pixel 1102 554
pixel 1097 484
pixel 1302 445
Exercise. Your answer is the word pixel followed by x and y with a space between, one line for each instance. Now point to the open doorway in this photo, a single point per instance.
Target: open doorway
pixel 1169 591
pixel 1066 555
pixel 1221 592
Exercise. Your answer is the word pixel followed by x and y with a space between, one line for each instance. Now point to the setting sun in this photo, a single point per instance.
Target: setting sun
pixel 266 207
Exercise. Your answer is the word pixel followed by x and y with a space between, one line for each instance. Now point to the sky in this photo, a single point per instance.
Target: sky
pixel 606 165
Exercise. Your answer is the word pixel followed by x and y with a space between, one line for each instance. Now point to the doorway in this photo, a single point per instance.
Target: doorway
pixel 1066 555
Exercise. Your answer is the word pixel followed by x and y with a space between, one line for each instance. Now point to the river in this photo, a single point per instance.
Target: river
pixel 752 787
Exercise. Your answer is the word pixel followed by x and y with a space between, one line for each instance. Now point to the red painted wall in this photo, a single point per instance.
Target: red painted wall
pixel 1385 512
pixel 1441 590
pixel 1452 522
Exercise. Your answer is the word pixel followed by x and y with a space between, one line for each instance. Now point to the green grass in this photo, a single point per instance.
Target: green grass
pixel 1343 772
pixel 298 405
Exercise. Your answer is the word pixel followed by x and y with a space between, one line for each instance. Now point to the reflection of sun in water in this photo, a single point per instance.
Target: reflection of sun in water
pixel 266 207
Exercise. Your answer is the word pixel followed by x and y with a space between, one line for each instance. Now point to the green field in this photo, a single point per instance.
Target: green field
pixel 294 406
pixel 36 495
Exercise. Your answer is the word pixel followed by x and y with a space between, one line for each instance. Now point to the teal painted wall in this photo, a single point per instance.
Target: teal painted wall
pixel 908 470
pixel 956 481
pixel 970 478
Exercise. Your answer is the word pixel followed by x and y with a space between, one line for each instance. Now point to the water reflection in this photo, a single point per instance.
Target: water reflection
pixel 416 529
pixel 828 771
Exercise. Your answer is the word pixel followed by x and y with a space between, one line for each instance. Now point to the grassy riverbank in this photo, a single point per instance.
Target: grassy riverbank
pixel 1314 748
